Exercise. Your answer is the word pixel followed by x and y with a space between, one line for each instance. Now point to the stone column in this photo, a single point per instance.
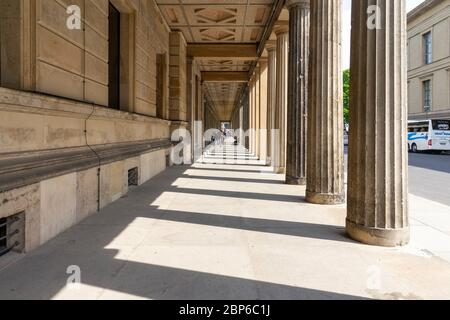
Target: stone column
pixel 263 110
pixel 297 91
pixel 257 76
pixel 249 132
pixel 378 168
pixel 282 33
pixel 241 126
pixel 252 116
pixel 191 102
pixel 325 167
pixel 271 97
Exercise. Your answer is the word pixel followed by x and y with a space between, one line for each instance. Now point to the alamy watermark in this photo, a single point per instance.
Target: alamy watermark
pixel 74 279
pixel 73 21
pixel 374 17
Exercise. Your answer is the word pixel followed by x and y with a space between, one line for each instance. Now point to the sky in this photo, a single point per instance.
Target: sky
pixel 346 28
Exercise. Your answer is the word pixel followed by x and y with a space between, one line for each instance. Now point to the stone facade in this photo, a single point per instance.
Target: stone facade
pixel 65 152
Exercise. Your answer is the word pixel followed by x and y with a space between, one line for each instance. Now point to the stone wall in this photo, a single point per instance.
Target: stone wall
pixel 30 122
pixel 53 205
pixel 74 63
pixel 54 117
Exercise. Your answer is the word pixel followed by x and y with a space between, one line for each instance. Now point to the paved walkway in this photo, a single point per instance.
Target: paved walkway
pixel 222 231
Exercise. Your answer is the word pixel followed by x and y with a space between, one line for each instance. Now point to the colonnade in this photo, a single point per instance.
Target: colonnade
pixel 296 96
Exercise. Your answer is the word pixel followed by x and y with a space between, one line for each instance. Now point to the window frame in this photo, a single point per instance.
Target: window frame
pixel 114 79
pixel 426 99
pixel 127 55
pixel 427 43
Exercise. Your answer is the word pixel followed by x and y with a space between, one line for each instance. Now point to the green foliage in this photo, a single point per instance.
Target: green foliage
pixel 346 76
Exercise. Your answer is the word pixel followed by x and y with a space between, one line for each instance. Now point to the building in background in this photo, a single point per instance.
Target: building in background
pixel 429 60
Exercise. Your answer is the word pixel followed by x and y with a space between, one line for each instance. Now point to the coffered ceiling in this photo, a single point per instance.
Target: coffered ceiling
pixel 224 65
pixel 219 21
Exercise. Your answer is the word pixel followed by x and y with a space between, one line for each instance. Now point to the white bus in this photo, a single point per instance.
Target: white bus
pixel 429 135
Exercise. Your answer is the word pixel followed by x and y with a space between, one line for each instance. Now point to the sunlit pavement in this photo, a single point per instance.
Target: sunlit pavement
pixel 429 177
pixel 223 231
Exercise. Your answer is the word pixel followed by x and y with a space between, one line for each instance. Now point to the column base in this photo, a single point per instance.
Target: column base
pixel 279 170
pixel 378 237
pixel 296 181
pixel 325 199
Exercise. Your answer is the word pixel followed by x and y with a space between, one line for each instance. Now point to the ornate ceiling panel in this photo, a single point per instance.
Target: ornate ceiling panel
pixel 224 65
pixel 219 21
pixel 225 21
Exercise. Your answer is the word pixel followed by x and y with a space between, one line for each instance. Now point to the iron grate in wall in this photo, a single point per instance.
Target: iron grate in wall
pixel 3 232
pixel 133 177
pixel 12 233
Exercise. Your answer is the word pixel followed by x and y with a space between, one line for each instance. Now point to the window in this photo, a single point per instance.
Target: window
pixel 121 56
pixel 416 126
pixel 161 85
pixel 427 95
pixel 114 57
pixel 428 48
pixel 441 125
pixel 10 44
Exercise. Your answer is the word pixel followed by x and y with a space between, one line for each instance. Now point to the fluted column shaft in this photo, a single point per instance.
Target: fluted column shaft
pixel 271 98
pixel 378 169
pixel 257 111
pixel 299 25
pixel 263 80
pixel 325 168
pixel 254 115
pixel 251 121
pixel 281 98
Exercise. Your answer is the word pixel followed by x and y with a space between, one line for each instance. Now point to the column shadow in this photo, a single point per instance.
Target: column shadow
pixel 42 274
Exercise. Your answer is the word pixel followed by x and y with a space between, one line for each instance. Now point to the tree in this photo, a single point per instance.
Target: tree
pixel 346 76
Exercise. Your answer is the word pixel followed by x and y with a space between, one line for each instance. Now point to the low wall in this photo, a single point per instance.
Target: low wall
pixel 62 160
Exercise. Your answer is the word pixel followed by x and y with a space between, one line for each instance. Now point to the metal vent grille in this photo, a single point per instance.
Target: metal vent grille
pixel 12 235
pixel 133 177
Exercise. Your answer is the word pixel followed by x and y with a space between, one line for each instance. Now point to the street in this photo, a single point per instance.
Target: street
pixel 429 176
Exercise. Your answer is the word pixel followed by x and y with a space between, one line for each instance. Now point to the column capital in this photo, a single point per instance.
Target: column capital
pixel 297 3
pixel 281 28
pixel 271 45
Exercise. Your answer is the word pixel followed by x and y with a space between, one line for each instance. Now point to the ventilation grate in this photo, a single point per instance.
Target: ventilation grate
pixel 133 177
pixel 3 232
pixel 12 235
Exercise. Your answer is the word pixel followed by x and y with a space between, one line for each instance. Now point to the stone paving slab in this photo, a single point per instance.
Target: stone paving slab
pixel 187 234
